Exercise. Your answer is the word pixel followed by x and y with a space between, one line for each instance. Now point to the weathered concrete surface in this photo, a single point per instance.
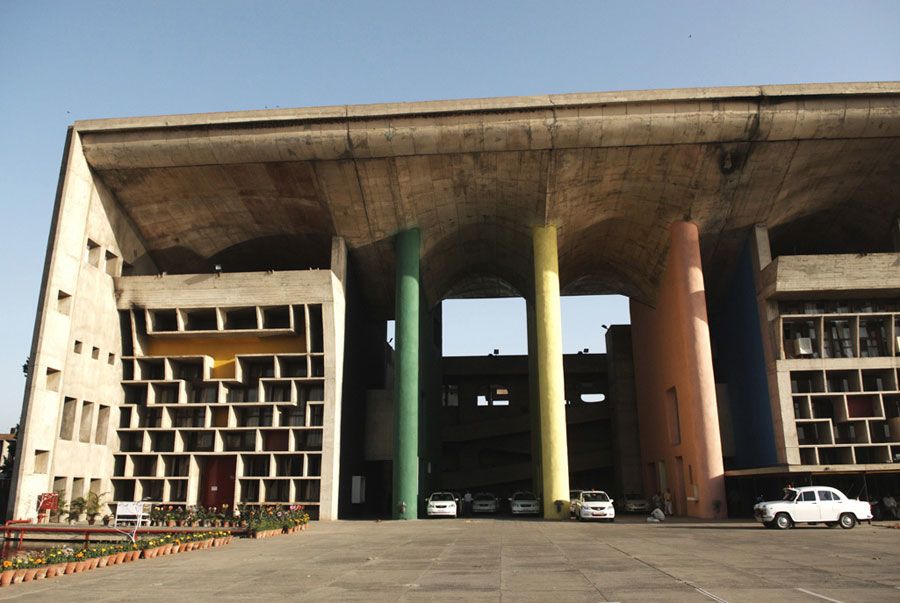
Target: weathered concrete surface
pixel 506 560
pixel 610 170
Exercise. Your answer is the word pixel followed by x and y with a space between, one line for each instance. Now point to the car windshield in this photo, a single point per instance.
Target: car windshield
pixel 595 497
pixel 789 495
pixel 442 496
pixel 523 496
pixel 484 497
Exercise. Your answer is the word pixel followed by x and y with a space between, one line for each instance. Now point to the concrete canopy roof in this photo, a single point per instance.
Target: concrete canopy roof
pixel 820 164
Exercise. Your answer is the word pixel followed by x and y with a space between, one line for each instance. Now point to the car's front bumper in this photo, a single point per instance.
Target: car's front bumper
pixel 598 514
pixel 444 512
pixel 523 510
pixel 484 508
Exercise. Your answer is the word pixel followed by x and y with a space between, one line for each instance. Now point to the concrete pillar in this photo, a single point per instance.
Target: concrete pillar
pixel 430 393
pixel 684 253
pixel 554 449
pixel 406 378
pixel 534 399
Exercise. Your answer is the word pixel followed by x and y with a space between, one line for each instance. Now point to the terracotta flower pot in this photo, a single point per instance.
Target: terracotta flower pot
pixel 41 572
pixel 29 574
pixel 135 555
pixel 70 567
pixel 120 557
pixel 94 563
pixel 79 566
pixel 18 576
pixel 6 577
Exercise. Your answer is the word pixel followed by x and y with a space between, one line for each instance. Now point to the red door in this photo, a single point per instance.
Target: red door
pixel 217 481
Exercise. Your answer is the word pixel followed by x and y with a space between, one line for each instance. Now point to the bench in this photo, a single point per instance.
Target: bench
pixel 137 513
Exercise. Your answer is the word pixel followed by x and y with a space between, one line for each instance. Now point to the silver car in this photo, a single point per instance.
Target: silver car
pixel 485 502
pixel 524 503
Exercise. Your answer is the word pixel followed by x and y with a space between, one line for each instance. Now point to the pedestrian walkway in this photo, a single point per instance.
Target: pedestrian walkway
pixel 515 560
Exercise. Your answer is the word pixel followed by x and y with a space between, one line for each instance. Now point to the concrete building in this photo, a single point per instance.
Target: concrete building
pixel 211 321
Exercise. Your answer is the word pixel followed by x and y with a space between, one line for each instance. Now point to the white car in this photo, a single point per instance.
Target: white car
pixel 442 504
pixel 594 504
pixel 636 504
pixel 485 503
pixel 812 504
pixel 524 503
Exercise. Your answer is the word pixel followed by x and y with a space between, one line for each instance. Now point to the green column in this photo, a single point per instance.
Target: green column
pixel 406 377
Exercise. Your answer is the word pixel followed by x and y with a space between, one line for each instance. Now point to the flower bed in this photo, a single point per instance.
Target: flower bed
pixel 267 521
pixel 60 561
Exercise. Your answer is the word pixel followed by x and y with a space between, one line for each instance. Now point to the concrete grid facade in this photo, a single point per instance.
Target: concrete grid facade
pixel 211 321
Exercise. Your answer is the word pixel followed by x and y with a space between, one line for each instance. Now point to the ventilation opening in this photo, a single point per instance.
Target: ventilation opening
pixel 92 253
pixel 102 425
pixel 67 427
pixel 77 347
pixel 112 264
pixel 41 461
pixel 87 420
pixel 95 353
pixel 63 303
pixel 53 380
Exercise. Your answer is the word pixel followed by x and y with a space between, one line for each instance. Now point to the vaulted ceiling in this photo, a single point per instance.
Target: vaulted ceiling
pixel 267 189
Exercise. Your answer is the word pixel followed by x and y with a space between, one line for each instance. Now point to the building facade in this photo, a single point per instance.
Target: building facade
pixel 212 316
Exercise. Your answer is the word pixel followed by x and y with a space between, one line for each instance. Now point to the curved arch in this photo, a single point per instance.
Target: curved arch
pixel 497 256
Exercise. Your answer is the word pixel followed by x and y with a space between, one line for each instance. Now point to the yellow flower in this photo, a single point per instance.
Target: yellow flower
pixel 7 563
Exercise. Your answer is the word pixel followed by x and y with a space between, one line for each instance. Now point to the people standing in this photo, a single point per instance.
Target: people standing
pixel 890 505
pixel 467 503
pixel 667 500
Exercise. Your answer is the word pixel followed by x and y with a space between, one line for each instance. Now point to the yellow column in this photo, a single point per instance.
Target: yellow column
pixel 554 448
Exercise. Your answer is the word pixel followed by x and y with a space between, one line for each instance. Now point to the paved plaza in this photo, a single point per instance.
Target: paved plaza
pixel 510 560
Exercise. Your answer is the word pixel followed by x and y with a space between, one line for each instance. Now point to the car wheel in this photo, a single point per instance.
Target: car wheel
pixel 832 524
pixel 848 520
pixel 783 521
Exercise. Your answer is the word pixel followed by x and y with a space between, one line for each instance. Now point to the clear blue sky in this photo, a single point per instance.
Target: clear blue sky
pixel 62 61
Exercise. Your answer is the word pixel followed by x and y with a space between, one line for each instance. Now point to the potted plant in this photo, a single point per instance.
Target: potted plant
pixel 76 509
pixel 61 508
pixel 92 505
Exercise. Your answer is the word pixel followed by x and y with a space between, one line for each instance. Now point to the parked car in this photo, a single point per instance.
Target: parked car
pixel 812 504
pixel 442 504
pixel 485 502
pixel 635 504
pixel 573 498
pixel 594 504
pixel 524 503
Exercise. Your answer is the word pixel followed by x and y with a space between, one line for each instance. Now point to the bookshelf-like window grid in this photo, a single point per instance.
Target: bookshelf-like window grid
pixel 270 415
pixel 847 416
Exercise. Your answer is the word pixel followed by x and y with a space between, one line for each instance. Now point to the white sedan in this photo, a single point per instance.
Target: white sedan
pixel 812 504
pixel 524 503
pixel 442 504
pixel 595 504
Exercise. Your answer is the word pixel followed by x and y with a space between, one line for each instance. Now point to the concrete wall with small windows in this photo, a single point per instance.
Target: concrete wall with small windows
pixel 72 391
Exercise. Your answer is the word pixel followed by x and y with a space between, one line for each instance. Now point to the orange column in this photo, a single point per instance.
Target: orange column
pixel 681 447
pixel 684 257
